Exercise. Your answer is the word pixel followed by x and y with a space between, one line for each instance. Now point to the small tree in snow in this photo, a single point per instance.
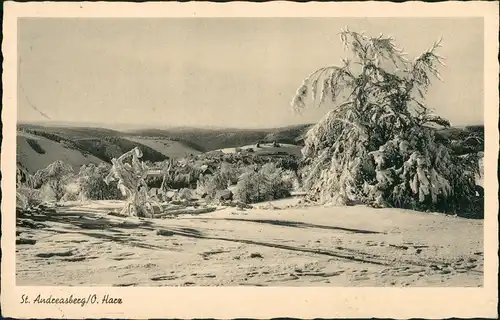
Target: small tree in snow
pixel 377 144
pixel 92 184
pixel 209 185
pixel 21 199
pixel 268 183
pixel 131 175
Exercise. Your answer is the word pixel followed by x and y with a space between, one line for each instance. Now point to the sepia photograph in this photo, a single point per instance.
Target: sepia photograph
pixel 253 151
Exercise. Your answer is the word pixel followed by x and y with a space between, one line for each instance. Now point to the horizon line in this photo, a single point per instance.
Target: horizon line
pixel 133 127
pixel 123 126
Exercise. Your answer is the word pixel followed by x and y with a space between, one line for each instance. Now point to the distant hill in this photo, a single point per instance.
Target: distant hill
pixel 36 152
pixel 170 148
pixel 40 145
pixel 214 139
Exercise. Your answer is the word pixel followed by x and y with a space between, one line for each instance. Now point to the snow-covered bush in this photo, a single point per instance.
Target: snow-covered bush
pixel 250 187
pixel 185 194
pixel 290 178
pixel 209 185
pixel 27 197
pixel 377 144
pixel 230 173
pixel 175 175
pixel 278 183
pixel 268 183
pixel 54 177
pixel 92 184
pixel 288 163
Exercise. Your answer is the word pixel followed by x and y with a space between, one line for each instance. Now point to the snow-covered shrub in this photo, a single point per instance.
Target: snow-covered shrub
pixel 288 163
pixel 21 177
pixel 181 180
pixel 209 185
pixel 54 177
pixel 291 178
pixel 92 184
pixel 376 145
pixel 48 193
pixel 27 197
pixel 278 183
pixel 175 175
pixel 230 173
pixel 185 194
pixel 268 183
pixel 250 187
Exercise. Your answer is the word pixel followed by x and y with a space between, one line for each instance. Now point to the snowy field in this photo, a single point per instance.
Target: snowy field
pixel 274 244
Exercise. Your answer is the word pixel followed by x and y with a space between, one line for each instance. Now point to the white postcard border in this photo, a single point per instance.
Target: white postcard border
pixel 259 302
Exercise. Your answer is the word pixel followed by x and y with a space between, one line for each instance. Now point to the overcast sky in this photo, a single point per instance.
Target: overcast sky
pixel 218 72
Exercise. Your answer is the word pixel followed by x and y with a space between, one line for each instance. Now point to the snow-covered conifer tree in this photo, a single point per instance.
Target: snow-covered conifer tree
pixel 377 143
